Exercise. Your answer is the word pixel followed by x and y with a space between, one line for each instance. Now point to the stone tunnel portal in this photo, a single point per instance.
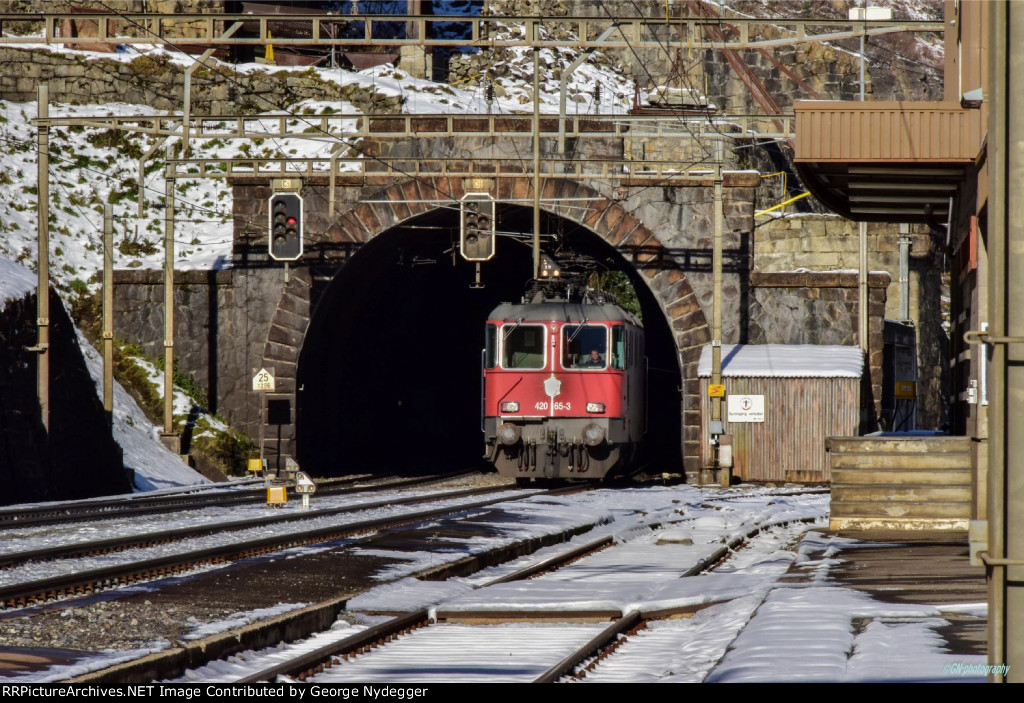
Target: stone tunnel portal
pixel 389 373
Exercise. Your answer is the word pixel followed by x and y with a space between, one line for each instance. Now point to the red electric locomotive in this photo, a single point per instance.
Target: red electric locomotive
pixel 564 388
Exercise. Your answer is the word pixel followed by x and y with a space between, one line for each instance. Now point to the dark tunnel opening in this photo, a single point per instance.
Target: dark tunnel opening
pixel 389 374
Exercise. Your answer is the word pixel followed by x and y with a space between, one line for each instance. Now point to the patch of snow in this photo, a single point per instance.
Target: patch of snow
pixel 785 361
pixel 155 466
pixel 237 620
pixel 16 281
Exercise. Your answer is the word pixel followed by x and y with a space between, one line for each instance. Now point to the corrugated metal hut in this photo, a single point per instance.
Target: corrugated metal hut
pixel 782 402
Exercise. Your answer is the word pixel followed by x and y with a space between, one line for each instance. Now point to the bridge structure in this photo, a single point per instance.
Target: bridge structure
pixel 371 334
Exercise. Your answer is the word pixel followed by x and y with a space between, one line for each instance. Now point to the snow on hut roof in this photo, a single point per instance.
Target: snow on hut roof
pixel 786 360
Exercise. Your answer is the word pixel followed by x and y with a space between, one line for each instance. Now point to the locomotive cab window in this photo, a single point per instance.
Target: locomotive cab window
pixel 491 347
pixel 523 347
pixel 584 346
pixel 619 347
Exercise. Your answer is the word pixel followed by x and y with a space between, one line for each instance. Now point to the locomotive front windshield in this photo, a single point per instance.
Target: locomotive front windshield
pixel 523 347
pixel 584 346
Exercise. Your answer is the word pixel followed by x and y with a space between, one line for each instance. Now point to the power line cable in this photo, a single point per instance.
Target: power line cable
pixel 266 100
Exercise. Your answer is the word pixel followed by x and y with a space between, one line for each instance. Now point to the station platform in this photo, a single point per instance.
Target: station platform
pixel 930 568
pixel 867 606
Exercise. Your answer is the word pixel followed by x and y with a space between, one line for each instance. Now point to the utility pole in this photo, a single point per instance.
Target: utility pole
pixel 717 426
pixel 108 312
pixel 169 436
pixel 536 162
pixel 43 288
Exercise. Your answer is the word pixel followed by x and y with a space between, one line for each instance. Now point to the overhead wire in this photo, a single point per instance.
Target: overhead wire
pixel 29 145
pixel 267 100
pixel 351 144
pixel 686 124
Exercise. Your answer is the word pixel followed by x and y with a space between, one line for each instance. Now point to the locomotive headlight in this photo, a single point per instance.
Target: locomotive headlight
pixel 593 435
pixel 510 406
pixel 595 407
pixel 508 434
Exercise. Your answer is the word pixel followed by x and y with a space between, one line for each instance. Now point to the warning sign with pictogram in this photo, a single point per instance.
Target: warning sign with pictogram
pixel 746 408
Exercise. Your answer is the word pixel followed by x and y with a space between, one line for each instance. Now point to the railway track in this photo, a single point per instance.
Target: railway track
pixel 77 581
pixel 574 640
pixel 118 544
pixel 573 648
pixel 201 497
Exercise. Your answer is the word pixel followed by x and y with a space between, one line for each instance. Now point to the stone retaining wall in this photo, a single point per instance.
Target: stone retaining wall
pixel 830 243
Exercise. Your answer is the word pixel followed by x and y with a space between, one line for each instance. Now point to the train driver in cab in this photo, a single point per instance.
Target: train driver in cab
pixel 594 361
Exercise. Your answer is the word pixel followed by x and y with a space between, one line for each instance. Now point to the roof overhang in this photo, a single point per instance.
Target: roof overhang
pixel 886 161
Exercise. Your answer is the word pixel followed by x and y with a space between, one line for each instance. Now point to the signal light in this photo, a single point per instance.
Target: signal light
pixel 476 227
pixel 285 214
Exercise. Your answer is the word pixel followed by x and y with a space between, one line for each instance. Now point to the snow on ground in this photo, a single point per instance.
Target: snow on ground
pixel 818 632
pixel 811 634
pixel 16 281
pixel 237 620
pixel 450 652
pixel 90 167
pixel 759 627
pixel 39 570
pixel 155 466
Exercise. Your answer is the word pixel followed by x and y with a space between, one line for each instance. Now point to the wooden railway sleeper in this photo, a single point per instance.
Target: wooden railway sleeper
pixel 609 649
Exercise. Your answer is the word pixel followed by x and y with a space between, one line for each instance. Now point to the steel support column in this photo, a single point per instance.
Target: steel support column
pixel 1006 387
pixel 43 287
pixel 108 312
pixel 168 433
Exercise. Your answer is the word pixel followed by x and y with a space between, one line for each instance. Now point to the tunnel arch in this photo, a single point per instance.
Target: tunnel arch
pixel 372 225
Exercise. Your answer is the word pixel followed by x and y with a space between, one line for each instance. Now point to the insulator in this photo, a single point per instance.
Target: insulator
pixel 489 93
pixel 597 93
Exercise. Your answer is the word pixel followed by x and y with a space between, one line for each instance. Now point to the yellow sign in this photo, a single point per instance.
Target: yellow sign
pixel 276 495
pixel 716 391
pixel 906 390
pixel 256 465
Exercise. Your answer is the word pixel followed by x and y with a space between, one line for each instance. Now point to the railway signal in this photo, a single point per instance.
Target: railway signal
pixel 285 238
pixel 476 231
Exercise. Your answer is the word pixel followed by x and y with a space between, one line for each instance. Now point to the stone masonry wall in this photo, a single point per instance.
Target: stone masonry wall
pixel 828 243
pixel 816 307
pixel 221 323
pixel 158 82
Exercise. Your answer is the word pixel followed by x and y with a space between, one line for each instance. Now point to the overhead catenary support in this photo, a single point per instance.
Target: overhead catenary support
pixel 108 312
pixel 169 436
pixel 43 287
pixel 142 173
pixel 316 30
pixel 585 53
pixel 716 316
pixel 904 299
pixel 862 287
pixel 536 162
pixel 187 89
